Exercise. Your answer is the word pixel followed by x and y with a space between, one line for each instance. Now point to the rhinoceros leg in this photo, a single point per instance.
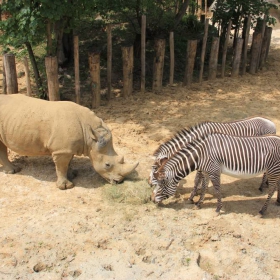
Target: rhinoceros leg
pixel 8 166
pixel 62 162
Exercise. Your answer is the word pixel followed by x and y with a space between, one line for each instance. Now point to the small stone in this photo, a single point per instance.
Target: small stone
pixel 39 267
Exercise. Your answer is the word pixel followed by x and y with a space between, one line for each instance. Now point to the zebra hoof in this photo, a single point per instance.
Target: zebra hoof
pixel 196 207
pixel 261 213
pixel 218 212
pixel 189 201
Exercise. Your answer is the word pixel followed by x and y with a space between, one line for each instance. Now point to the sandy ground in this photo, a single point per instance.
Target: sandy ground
pixel 46 233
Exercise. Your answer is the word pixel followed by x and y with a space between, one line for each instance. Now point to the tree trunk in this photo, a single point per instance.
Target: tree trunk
pixel 225 47
pixel 172 58
pixel 59 28
pixel 109 62
pixel 38 80
pixel 143 53
pixel 77 70
pixel 181 13
pixel 246 34
pixel 203 50
pixel 49 38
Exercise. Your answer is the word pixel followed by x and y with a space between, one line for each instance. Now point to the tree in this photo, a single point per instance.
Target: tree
pixel 31 22
pixel 239 10
pixel 162 16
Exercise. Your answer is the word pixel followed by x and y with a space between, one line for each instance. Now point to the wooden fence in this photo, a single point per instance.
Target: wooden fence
pixel 240 64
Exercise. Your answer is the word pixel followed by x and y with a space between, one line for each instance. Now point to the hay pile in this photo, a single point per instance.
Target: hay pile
pixel 130 192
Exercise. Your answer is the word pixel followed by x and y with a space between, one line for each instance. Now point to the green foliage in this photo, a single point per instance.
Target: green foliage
pixel 160 15
pixel 237 10
pixel 27 19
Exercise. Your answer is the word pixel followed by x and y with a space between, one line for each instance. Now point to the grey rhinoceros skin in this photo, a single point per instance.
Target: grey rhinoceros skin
pixel 62 129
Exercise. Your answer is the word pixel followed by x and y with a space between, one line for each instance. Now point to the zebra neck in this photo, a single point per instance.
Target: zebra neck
pixel 183 163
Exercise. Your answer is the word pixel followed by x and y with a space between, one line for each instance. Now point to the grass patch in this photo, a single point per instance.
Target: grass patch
pixel 138 192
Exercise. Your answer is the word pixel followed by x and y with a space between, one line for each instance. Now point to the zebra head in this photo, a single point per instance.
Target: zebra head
pixel 155 167
pixel 165 186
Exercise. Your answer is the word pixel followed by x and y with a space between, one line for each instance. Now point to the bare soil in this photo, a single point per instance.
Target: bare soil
pixel 46 233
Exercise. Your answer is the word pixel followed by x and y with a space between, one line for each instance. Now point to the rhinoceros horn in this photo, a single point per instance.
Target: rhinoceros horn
pixel 121 160
pixel 127 168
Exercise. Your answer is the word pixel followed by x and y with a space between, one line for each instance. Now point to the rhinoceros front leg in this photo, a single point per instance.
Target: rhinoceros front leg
pixel 62 162
pixel 8 166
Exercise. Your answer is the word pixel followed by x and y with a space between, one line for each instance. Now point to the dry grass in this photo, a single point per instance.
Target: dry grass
pixel 128 192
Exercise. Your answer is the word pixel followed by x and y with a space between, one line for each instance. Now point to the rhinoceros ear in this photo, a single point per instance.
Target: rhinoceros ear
pixel 100 135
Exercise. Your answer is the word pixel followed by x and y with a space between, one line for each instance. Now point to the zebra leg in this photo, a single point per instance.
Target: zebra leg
pixel 197 181
pixel 273 182
pixel 278 194
pixel 262 211
pixel 205 182
pixel 264 183
pixel 216 181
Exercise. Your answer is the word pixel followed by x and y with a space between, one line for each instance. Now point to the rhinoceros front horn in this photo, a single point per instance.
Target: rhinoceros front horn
pixel 127 168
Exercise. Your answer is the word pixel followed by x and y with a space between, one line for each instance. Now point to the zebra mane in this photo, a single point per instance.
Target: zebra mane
pixel 185 131
pixel 190 146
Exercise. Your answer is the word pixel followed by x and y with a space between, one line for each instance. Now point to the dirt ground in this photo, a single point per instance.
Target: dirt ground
pixel 46 233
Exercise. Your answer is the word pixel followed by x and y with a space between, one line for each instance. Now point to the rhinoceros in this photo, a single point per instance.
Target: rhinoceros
pixel 62 129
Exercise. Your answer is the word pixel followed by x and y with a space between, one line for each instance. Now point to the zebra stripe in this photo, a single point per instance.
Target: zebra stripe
pixel 254 126
pixel 216 154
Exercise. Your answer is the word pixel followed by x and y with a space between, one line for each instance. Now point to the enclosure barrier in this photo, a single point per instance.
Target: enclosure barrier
pixel 259 51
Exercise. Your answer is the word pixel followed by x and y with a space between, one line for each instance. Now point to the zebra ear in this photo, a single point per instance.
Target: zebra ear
pixel 162 161
pixel 161 176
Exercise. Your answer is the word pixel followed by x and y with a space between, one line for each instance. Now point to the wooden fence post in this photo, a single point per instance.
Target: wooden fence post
pixel 213 62
pixel 237 57
pixel 127 56
pixel 109 61
pixel 158 64
pixel 225 47
pixel 172 62
pixel 143 53
pixel 191 53
pixel 269 33
pixel 52 76
pixel 263 49
pixel 4 79
pixel 245 49
pixel 94 68
pixel 203 50
pixel 262 32
pixel 77 70
pixel 10 73
pixel 255 49
pixel 27 76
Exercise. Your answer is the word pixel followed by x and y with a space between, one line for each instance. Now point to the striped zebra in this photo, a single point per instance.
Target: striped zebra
pixel 254 126
pixel 216 154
